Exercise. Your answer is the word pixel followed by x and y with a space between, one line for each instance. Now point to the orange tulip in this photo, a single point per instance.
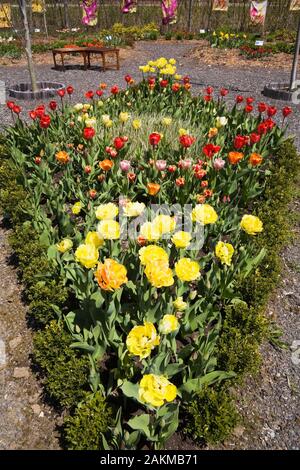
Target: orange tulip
pixel 62 157
pixel 235 157
pixel 106 164
pixel 111 275
pixel 153 188
pixel 255 159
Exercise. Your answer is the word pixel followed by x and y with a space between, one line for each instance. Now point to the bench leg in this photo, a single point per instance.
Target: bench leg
pixel 54 60
pixel 63 62
pixel 85 60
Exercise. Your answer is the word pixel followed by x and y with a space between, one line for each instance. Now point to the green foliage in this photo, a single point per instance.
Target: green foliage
pixel 10 50
pixel 211 415
pixel 91 419
pixel 65 370
pixel 242 333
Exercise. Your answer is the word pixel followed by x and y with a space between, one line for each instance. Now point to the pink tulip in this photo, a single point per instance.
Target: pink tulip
pixel 161 165
pixel 185 164
pixel 219 163
pixel 125 165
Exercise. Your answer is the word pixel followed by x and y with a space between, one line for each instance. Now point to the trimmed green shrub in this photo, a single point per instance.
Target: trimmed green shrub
pixel 65 371
pixel 243 331
pixel 211 416
pixel 91 419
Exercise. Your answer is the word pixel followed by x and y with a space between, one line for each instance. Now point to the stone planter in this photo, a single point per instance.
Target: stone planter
pixel 23 91
pixel 279 91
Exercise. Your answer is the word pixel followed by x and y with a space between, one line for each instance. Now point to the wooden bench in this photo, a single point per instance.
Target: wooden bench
pixel 86 53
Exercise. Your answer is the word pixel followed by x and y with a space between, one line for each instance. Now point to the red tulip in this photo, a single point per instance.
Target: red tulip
pixel 176 87
pixel 224 91
pixel 114 90
pixel 249 100
pixel 40 111
pixel 87 169
pixel 248 108
pixel 118 143
pixel 61 92
pixel 45 121
pixel 37 160
pixel 154 139
pixel 254 138
pixel 286 111
pixel 89 94
pixel 88 133
pixel 262 107
pixel 210 150
pixel 128 78
pixel 163 83
pixel 99 93
pixel 186 79
pixel 239 142
pixel 186 140
pixel 262 128
pixel 239 99
pixel 151 81
pixel 207 98
pixel 269 123
pixel 32 115
pixel 17 109
pixel 10 105
pixel 271 111
pixel 172 168
pixel 209 90
pixel 53 105
pixel 70 90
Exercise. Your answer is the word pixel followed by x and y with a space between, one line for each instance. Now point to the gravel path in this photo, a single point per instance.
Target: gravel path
pixel 269 403
pixel 26 422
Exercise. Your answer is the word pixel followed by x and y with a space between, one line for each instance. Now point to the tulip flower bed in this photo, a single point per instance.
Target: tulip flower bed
pixel 143 205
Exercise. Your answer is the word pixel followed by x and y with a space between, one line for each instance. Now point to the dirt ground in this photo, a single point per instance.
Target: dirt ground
pixel 199 51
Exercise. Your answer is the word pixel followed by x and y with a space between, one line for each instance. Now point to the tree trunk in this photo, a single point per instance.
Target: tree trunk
pixel 23 11
pixel 66 15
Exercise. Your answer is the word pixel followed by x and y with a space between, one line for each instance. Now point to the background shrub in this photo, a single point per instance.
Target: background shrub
pixel 64 370
pixel 91 419
pixel 211 416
